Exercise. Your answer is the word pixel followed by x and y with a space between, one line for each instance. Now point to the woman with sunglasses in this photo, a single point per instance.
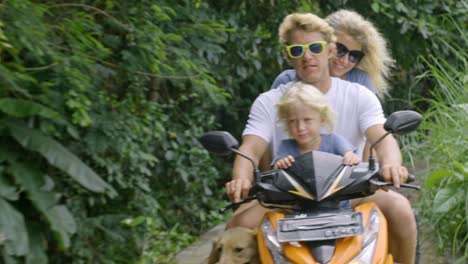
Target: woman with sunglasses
pixel 362 55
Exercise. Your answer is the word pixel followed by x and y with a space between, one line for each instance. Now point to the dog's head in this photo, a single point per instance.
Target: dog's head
pixel 236 245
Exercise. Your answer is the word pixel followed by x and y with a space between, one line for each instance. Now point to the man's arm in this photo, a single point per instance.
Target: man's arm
pixel 242 175
pixel 265 161
pixel 389 155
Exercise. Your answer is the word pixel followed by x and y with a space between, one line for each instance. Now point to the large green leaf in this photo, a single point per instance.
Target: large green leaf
pixel 7 259
pixel 58 216
pixel 62 221
pixel 447 198
pixel 25 108
pixel 59 156
pixel 37 244
pixel 12 230
pixel 461 170
pixel 436 177
pixel 458 173
pixel 8 154
pixel 7 189
pixel 9 83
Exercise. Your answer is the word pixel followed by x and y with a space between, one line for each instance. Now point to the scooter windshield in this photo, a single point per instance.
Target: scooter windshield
pixel 321 174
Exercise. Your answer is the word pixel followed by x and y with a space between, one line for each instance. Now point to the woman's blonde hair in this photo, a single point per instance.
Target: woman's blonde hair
pixel 310 96
pixel 377 61
pixel 307 22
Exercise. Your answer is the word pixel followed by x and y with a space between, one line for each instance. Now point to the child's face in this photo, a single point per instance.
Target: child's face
pixel 304 124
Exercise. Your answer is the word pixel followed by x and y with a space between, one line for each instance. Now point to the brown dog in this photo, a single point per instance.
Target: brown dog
pixel 235 246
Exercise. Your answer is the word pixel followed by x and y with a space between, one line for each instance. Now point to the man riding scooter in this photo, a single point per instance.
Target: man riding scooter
pixel 359 116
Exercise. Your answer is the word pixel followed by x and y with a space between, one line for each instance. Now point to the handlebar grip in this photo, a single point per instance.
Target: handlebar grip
pixel 411 178
pixel 380 177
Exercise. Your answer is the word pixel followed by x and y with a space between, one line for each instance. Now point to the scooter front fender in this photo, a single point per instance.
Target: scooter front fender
pixel 346 249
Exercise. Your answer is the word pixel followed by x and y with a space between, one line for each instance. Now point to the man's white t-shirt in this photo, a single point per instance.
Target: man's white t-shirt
pixel 356 109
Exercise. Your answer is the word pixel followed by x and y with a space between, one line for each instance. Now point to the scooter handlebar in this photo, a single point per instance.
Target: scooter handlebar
pixel 380 183
pixel 411 178
pixel 235 205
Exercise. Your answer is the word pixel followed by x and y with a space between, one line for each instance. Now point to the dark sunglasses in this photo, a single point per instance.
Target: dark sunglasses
pixel 354 55
pixel 298 50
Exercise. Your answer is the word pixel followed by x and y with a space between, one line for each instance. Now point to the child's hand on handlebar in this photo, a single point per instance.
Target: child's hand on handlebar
pixel 237 189
pixel 350 158
pixel 284 163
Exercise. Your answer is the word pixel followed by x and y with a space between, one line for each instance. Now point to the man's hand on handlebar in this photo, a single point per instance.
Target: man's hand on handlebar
pixel 238 189
pixel 395 173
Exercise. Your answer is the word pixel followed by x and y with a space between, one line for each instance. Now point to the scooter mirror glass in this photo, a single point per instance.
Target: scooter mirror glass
pixel 403 122
pixel 219 142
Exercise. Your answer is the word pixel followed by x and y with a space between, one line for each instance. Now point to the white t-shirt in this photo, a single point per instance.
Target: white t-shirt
pixel 356 109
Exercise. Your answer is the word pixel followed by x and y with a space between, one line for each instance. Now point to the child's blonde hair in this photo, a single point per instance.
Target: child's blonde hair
pixel 310 96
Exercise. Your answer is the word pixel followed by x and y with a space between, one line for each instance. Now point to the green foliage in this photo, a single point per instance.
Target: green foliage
pixel 14 236
pixel 445 205
pixel 24 108
pixel 152 250
pixel 102 103
pixel 58 216
pixel 58 156
pixel 441 143
pixel 101 107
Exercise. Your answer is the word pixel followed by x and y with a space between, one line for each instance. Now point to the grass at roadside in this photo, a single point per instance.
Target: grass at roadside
pixel 442 143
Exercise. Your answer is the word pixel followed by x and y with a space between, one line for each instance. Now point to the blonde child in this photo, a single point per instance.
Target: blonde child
pixel 304 111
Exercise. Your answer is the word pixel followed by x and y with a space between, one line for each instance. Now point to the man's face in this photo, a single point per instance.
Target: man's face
pixel 310 68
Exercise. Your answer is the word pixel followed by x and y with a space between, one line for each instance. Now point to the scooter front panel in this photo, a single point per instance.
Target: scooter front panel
pixel 346 250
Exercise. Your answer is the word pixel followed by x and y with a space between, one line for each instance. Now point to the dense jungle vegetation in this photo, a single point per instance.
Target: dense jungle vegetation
pixel 102 102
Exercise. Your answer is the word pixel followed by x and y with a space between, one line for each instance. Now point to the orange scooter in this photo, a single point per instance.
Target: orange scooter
pixel 312 227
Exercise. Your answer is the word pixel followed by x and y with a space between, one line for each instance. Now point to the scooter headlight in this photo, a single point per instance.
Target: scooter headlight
pixel 272 242
pixel 370 239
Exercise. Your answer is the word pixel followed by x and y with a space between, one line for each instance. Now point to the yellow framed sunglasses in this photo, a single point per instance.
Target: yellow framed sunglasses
pixel 298 50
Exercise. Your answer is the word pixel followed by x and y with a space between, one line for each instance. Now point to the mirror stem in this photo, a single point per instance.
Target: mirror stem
pixel 256 170
pixel 371 160
pixel 371 156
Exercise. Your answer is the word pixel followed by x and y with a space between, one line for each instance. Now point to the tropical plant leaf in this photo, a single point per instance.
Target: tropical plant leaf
pixel 7 189
pixel 11 84
pixel 462 169
pixel 447 198
pixel 59 156
pixel 12 230
pixel 436 177
pixel 60 219
pixel 37 241
pixel 31 180
pixel 7 259
pixel 25 108
pixel 7 153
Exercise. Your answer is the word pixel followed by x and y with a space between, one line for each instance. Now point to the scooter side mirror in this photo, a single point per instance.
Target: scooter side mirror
pixel 219 142
pixel 222 143
pixel 398 123
pixel 403 122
